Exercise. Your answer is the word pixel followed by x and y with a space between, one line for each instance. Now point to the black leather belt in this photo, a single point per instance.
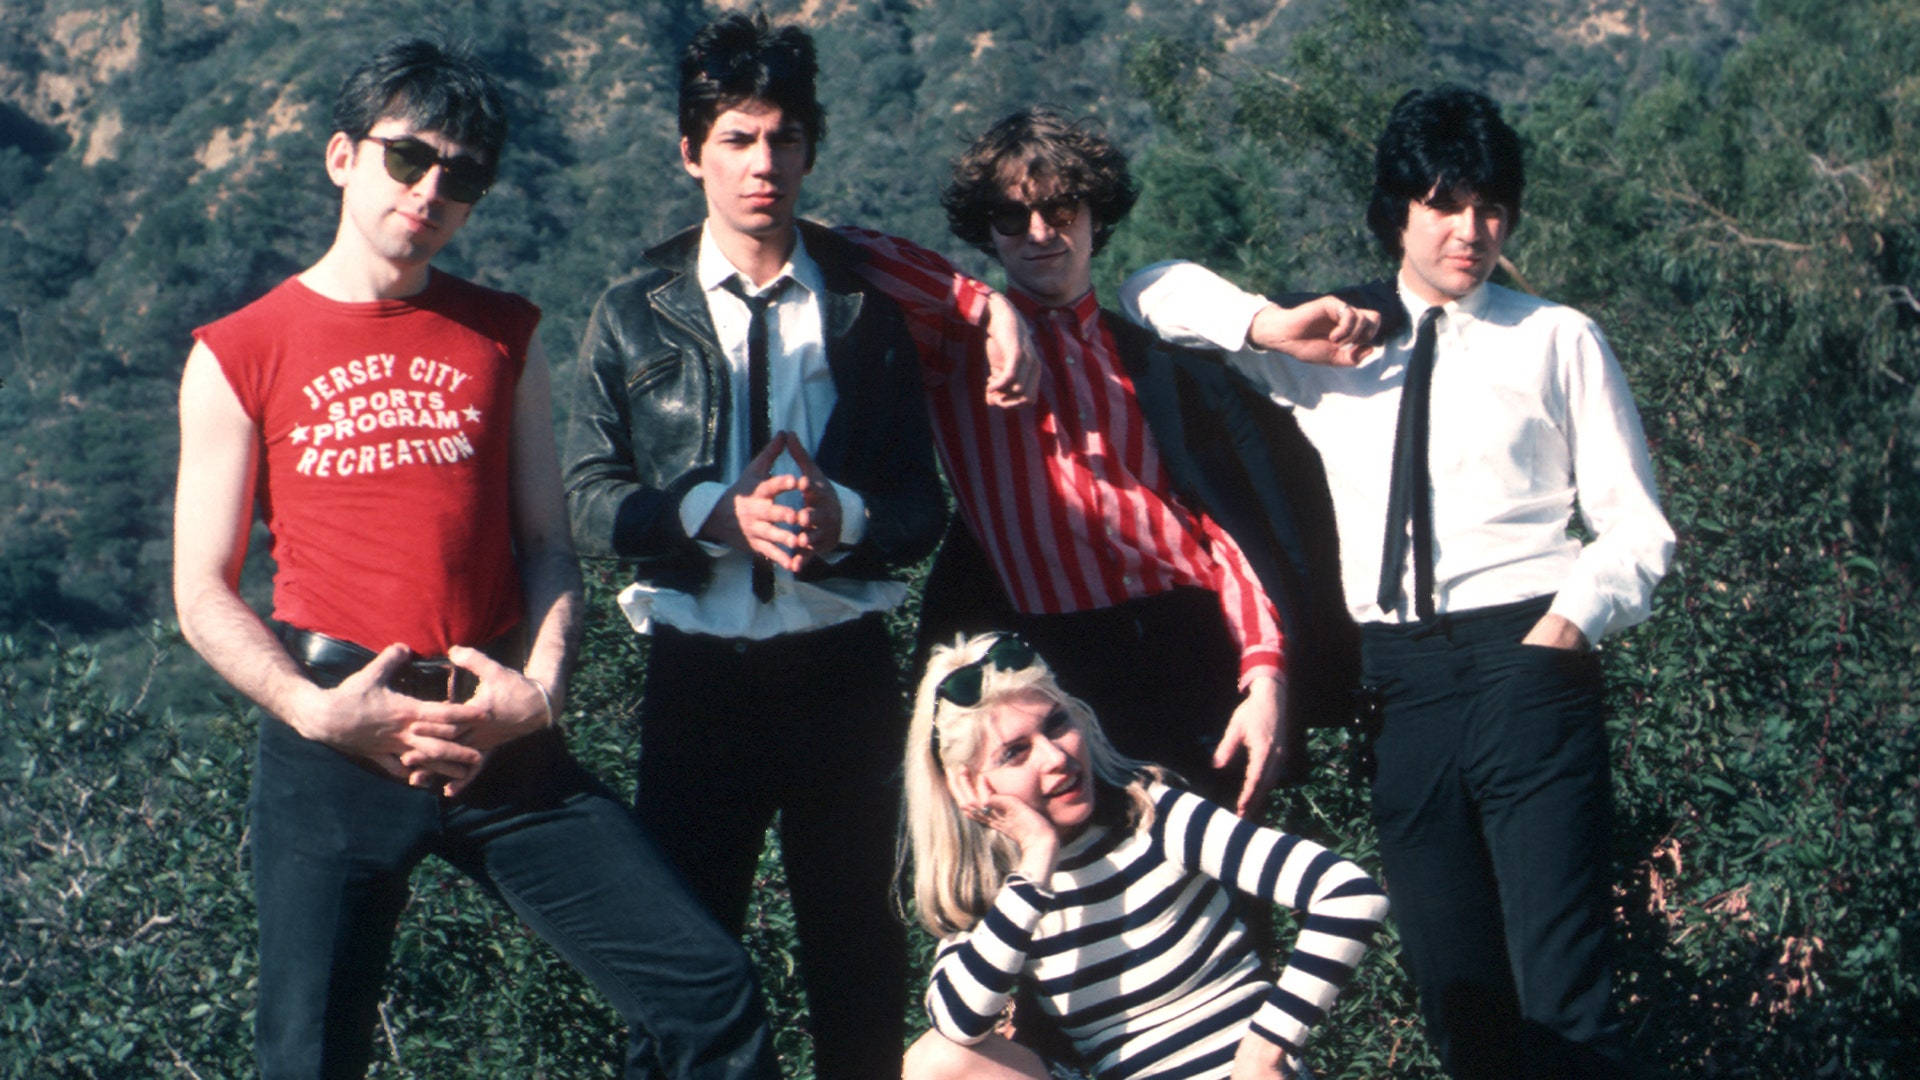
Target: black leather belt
pixel 329 661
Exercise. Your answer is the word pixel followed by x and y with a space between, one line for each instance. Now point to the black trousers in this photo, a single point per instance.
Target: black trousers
pixel 334 843
pixel 1493 804
pixel 1161 673
pixel 810 726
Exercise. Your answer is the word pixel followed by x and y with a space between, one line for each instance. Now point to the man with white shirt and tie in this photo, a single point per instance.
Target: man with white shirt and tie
pixel 749 430
pixel 1456 454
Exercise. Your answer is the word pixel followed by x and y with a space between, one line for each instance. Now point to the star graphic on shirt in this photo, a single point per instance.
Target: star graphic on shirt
pixel 472 414
pixel 299 433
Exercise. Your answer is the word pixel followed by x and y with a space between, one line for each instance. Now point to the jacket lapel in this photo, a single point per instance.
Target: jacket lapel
pixel 680 303
pixel 679 299
pixel 1158 397
pixel 840 310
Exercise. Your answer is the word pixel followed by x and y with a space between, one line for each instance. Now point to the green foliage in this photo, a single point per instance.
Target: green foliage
pixel 124 882
pixel 1745 233
pixel 1282 144
pixel 128 948
pixel 1734 204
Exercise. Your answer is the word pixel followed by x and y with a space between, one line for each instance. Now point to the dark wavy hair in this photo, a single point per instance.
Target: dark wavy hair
pixel 1045 147
pixel 741 58
pixel 1449 139
pixel 431 85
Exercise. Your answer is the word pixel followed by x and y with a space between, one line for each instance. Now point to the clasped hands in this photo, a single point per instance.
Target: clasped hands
pixel 749 517
pixel 428 744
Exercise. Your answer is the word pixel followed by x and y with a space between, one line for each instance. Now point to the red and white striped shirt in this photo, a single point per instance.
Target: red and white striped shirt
pixel 1067 495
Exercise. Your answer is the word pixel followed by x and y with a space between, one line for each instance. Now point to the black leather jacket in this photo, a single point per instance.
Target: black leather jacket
pixel 650 419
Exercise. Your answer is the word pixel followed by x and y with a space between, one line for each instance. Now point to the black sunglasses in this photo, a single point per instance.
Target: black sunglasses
pixel 1010 218
pixel 962 684
pixel 407 159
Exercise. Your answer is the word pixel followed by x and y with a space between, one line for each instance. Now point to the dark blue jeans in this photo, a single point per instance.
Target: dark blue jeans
pixel 334 843
pixel 1493 803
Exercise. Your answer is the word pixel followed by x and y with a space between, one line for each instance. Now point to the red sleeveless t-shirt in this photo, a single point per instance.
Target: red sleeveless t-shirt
pixel 385 432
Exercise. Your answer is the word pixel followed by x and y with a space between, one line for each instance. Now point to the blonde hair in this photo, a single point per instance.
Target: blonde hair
pixel 958 863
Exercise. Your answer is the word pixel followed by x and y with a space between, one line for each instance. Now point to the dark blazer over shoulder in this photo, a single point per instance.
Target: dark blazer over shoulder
pixel 650 418
pixel 1235 455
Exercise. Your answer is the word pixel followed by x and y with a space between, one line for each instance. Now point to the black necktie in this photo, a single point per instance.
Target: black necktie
pixel 759 423
pixel 1409 497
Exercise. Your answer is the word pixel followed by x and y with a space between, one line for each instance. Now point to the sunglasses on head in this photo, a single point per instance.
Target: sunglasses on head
pixel 1010 218
pixel 407 159
pixel 962 684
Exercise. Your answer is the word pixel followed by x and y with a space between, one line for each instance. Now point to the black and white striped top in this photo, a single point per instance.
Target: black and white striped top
pixel 1134 946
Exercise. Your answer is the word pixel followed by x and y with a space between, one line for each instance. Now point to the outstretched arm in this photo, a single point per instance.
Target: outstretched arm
pixel 1187 304
pixel 951 313
pixel 213 512
pixel 1341 904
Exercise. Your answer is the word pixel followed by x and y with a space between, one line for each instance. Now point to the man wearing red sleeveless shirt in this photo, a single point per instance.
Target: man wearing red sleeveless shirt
pixel 392 423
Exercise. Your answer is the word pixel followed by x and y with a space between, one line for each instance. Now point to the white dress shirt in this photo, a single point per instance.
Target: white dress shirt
pixel 1530 412
pixel 800 398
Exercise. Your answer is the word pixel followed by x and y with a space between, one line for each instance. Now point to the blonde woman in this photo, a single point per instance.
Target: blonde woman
pixel 1044 859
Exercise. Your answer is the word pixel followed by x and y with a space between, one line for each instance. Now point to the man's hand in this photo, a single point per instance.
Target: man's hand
pixel 366 719
pixel 747 518
pixel 1258 726
pixel 1556 632
pixel 1013 359
pixel 1259 1059
pixel 1324 331
pixel 505 706
pixel 820 519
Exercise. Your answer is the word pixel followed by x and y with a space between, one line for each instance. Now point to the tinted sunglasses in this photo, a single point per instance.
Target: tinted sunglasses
pixel 962 684
pixel 1010 218
pixel 462 178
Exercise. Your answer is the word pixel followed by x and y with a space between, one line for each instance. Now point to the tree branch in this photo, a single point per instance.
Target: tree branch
pixel 1519 279
pixel 1727 222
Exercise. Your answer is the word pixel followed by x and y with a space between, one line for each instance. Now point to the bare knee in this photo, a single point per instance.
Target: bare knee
pixel 933 1056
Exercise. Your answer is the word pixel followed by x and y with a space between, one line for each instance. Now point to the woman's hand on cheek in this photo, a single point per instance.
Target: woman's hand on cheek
pixel 1028 828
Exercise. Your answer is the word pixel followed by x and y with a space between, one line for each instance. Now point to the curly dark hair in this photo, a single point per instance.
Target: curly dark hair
pixel 1449 139
pixel 740 58
pixel 1045 147
pixel 430 84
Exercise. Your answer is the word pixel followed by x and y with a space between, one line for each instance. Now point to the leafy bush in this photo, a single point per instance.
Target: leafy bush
pixel 125 885
pixel 1739 216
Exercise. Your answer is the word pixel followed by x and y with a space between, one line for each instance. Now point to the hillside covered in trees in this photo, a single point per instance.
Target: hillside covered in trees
pixel 1730 188
pixel 158 169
